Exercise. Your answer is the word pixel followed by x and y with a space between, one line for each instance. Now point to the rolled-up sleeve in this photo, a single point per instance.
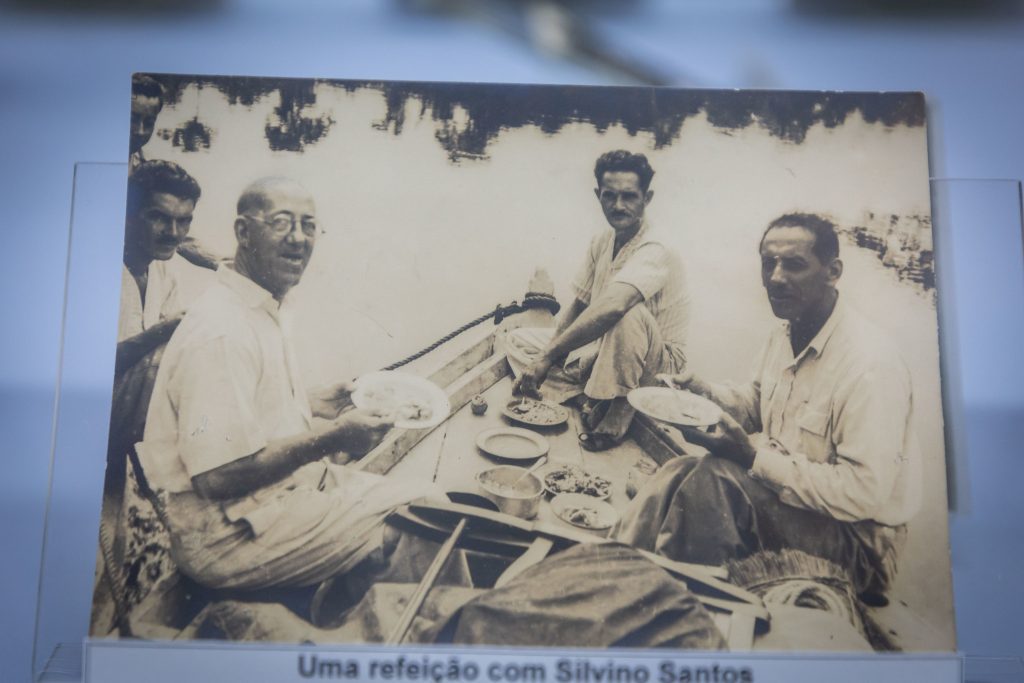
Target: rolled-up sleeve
pixel 869 430
pixel 217 413
pixel 647 270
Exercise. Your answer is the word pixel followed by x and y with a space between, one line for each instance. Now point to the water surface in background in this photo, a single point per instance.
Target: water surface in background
pixel 418 240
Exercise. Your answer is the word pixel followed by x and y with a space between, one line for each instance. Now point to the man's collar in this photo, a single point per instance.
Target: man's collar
pixel 636 239
pixel 820 340
pixel 251 293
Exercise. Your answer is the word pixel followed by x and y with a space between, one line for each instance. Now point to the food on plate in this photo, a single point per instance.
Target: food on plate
pixel 399 402
pixel 412 402
pixel 573 479
pixel 582 516
pixel 540 413
pixel 524 489
pixel 680 407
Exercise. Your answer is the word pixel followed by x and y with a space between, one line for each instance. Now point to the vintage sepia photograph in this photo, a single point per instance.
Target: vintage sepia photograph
pixel 523 365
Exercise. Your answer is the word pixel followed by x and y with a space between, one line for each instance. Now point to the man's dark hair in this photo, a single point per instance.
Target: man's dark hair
pixel 158 175
pixel 622 160
pixel 826 243
pixel 147 86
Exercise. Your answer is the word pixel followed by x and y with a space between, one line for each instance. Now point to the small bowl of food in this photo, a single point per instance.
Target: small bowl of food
pixel 514 490
pixel 584 511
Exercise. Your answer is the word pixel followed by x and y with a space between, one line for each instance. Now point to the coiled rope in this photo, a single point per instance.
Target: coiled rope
pixel 530 301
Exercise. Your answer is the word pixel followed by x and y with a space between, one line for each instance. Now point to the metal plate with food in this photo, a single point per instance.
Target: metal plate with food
pixel 535 413
pixel 583 511
pixel 512 443
pixel 564 478
pixel 414 402
pixel 675 406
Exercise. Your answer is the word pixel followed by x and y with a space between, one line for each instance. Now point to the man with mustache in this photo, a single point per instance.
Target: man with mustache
pixel 816 453
pixel 629 316
pixel 147 103
pixel 235 448
pixel 162 197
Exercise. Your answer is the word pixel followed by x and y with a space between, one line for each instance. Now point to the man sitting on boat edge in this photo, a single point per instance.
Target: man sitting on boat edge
pixel 628 319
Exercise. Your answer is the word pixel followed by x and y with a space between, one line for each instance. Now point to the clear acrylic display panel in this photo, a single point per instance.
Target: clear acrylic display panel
pixel 981 282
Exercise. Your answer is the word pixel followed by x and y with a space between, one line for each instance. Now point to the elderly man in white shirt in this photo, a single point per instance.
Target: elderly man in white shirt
pixel 817 453
pixel 628 319
pixel 236 451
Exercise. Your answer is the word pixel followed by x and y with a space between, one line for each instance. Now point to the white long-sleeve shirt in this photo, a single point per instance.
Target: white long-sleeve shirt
pixel 835 421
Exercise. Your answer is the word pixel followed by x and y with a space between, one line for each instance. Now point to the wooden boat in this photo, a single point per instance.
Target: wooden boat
pixel 475 364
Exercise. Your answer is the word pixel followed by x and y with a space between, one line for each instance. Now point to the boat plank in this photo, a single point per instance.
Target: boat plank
pixel 460 459
pixel 420 464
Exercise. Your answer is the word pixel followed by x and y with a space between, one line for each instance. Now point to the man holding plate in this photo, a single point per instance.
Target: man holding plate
pixel 816 453
pixel 235 450
pixel 628 318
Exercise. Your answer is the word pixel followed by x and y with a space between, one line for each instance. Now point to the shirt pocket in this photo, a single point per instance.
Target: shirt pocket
pixel 813 421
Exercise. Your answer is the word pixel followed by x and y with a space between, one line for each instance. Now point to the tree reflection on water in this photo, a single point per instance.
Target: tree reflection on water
pixel 470 116
pixel 289 129
pixel 191 136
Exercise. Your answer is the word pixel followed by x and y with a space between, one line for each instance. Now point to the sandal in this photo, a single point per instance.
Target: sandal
pixel 596 441
pixel 592 412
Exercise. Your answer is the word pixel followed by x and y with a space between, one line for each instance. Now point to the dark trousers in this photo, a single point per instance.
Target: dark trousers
pixel 709 510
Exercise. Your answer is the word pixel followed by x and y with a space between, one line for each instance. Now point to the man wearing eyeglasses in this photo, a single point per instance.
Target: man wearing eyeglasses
pixel 629 317
pixel 235 449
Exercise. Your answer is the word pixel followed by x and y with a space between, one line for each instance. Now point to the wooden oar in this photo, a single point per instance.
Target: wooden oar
pixel 398 633
pixel 695 575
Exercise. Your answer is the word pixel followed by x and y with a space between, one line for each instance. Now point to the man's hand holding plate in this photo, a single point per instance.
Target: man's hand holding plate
pixel 359 431
pixel 726 440
pixel 689 381
pixel 330 401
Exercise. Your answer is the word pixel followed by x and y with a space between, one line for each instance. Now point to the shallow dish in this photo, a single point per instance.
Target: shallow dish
pixel 415 402
pixel 675 406
pixel 535 413
pixel 583 511
pixel 561 478
pixel 512 443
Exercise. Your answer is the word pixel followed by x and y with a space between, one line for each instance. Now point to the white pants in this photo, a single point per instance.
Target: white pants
pixel 628 356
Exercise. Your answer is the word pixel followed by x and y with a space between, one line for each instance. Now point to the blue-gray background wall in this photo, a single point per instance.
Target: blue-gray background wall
pixel 64 80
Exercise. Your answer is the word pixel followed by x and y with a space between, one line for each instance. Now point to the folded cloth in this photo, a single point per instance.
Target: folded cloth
pixel 594 595
pixel 564 381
